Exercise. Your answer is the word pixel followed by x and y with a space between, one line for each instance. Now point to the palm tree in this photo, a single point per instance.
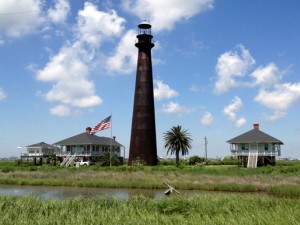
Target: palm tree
pixel 52 159
pixel 177 140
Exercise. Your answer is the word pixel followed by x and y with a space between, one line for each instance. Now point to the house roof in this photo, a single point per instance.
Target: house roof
pixel 41 145
pixel 254 136
pixel 88 139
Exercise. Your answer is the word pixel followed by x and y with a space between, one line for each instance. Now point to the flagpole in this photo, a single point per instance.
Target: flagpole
pixel 110 139
pixel 102 125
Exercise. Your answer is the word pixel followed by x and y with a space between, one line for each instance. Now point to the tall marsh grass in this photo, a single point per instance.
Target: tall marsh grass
pixel 205 209
pixel 282 180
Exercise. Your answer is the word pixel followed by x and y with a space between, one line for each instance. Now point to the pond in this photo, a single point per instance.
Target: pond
pixel 59 192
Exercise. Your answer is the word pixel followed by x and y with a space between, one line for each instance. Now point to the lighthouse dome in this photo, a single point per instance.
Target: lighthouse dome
pixel 144 25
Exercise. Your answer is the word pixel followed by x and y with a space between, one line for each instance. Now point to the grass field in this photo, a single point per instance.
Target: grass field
pixel 205 209
pixel 234 205
pixel 282 180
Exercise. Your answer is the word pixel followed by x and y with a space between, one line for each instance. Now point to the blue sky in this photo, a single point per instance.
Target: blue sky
pixel 218 67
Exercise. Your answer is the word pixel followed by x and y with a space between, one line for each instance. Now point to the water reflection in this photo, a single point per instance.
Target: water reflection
pixel 46 192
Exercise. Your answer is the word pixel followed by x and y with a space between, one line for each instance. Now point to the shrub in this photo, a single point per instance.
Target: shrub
pixel 33 168
pixel 18 161
pixel 196 160
pixel 230 160
pixel 108 160
pixel 138 162
pixel 166 162
pixel 8 169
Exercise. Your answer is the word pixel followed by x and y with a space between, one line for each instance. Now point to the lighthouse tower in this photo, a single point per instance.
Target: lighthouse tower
pixel 143 132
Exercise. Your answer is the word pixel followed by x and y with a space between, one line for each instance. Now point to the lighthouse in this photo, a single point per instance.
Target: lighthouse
pixel 143 131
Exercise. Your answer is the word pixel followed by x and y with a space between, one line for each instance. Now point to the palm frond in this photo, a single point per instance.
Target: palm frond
pixel 177 140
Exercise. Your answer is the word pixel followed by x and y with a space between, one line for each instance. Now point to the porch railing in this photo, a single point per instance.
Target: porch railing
pixel 32 154
pixel 259 153
pixel 63 163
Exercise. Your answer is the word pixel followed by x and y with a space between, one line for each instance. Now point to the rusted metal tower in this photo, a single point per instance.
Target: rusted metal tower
pixel 143 132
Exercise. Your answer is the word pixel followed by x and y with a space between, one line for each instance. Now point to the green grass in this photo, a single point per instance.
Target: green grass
pixel 281 180
pixel 283 167
pixel 203 209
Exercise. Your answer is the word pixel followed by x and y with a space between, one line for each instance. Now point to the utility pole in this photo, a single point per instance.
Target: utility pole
pixel 205 142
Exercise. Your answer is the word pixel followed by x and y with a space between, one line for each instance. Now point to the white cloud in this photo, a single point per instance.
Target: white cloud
pixel 230 66
pixel 1 41
pixel 172 107
pixel 63 66
pixel 175 108
pixel 272 94
pixel 21 17
pixel 3 95
pixel 165 14
pixel 231 109
pixel 231 112
pixel 207 119
pixel 60 110
pixel 275 116
pixel 60 11
pixel 194 88
pixel 266 76
pixel 280 99
pixel 78 93
pixel 163 91
pixel 125 56
pixel 240 122
pixel 95 26
pixel 69 73
pixel 69 68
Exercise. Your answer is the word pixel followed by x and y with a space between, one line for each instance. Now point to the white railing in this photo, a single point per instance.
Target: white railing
pixel 64 154
pixel 65 160
pixel 68 160
pixel 32 154
pixel 260 153
pixel 71 160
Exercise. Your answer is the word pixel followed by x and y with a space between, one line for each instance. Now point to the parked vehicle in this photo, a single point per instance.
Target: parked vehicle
pixel 83 163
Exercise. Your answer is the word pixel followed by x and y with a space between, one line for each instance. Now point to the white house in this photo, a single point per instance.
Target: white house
pixel 39 151
pixel 255 148
pixel 88 146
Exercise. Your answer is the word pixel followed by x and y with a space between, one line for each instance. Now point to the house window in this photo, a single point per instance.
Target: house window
pixel 243 146
pixel 117 150
pixel 96 148
pixel 266 147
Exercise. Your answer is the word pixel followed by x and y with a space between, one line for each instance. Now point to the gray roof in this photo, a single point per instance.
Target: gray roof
pixel 41 145
pixel 88 139
pixel 254 136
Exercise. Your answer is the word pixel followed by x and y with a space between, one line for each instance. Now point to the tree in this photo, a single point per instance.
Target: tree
pixel 52 159
pixel 177 140
pixel 107 159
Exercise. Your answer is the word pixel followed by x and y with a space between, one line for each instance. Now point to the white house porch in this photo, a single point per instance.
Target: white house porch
pixel 261 149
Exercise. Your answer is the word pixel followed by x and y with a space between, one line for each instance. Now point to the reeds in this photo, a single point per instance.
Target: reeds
pixel 205 209
pixel 277 180
pixel 272 184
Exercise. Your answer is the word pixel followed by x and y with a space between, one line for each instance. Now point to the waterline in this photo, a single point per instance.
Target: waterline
pixel 63 192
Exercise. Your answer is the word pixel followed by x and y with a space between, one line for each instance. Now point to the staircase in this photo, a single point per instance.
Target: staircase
pixel 252 159
pixel 68 160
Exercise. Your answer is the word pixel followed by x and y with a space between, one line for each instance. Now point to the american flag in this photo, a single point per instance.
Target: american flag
pixel 102 125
